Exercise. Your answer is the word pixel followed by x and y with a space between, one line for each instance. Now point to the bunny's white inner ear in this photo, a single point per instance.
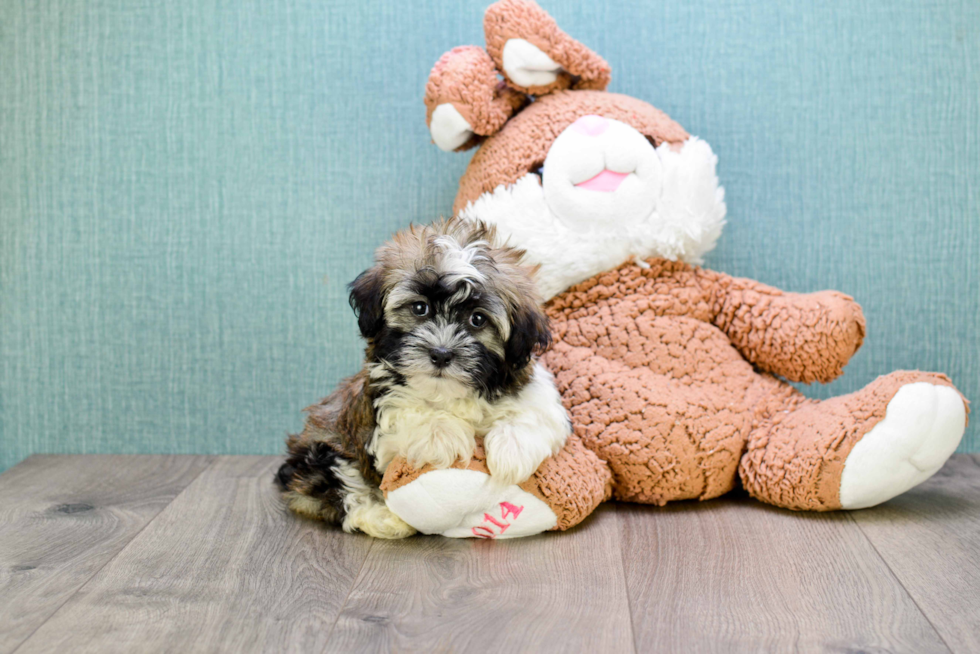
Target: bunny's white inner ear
pixel 448 127
pixel 526 65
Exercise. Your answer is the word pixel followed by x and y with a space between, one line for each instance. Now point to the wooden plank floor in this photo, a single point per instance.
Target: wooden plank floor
pixel 184 554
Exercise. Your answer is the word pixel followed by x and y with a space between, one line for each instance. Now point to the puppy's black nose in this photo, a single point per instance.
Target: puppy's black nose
pixel 440 356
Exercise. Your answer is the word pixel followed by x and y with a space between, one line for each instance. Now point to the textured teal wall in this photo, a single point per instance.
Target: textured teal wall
pixel 187 185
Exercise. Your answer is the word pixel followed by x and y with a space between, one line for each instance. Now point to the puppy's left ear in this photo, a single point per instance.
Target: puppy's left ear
pixel 530 333
pixel 366 297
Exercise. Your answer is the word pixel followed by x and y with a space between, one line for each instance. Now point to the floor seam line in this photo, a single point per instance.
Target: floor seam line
pixel 350 591
pixel 622 564
pixel 907 592
pixel 113 557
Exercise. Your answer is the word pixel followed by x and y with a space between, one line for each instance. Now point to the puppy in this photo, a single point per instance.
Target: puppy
pixel 452 324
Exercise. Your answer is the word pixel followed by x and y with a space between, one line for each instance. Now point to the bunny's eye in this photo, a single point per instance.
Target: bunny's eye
pixel 538 169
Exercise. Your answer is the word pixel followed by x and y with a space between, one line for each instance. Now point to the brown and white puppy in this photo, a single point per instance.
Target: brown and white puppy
pixel 452 323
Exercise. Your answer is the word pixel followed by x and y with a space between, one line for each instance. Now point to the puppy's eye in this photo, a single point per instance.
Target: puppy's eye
pixel 420 309
pixel 477 319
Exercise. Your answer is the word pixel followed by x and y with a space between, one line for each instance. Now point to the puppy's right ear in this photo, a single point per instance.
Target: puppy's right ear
pixel 530 334
pixel 366 298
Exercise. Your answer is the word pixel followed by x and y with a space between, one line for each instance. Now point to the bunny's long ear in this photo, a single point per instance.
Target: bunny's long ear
pixel 464 100
pixel 534 55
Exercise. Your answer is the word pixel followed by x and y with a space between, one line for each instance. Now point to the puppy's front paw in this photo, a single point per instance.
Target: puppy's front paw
pixel 513 456
pixel 377 520
pixel 390 527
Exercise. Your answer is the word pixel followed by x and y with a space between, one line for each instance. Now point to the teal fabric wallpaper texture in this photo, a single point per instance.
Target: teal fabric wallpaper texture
pixel 187 186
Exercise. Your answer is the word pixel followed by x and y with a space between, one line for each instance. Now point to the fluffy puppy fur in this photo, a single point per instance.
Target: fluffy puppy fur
pixel 452 323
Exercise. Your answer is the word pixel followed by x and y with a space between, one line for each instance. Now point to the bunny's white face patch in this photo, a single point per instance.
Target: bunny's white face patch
pixel 600 171
pixel 606 195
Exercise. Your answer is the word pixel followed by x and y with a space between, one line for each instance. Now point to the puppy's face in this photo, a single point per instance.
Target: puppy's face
pixel 446 312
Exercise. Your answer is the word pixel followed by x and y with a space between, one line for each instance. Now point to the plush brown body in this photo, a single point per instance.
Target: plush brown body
pixel 668 373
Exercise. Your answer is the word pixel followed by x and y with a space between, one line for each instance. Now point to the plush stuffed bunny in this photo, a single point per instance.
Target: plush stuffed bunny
pixel 674 376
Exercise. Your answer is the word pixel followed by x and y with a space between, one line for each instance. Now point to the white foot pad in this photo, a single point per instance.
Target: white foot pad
pixel 923 425
pixel 469 504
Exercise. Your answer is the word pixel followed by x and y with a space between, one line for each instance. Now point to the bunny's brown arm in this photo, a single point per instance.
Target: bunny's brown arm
pixel 802 337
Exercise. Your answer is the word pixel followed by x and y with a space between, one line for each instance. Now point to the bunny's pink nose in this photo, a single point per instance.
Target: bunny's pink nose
pixel 591 125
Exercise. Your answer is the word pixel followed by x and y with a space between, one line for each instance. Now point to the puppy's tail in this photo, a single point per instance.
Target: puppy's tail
pixel 309 482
